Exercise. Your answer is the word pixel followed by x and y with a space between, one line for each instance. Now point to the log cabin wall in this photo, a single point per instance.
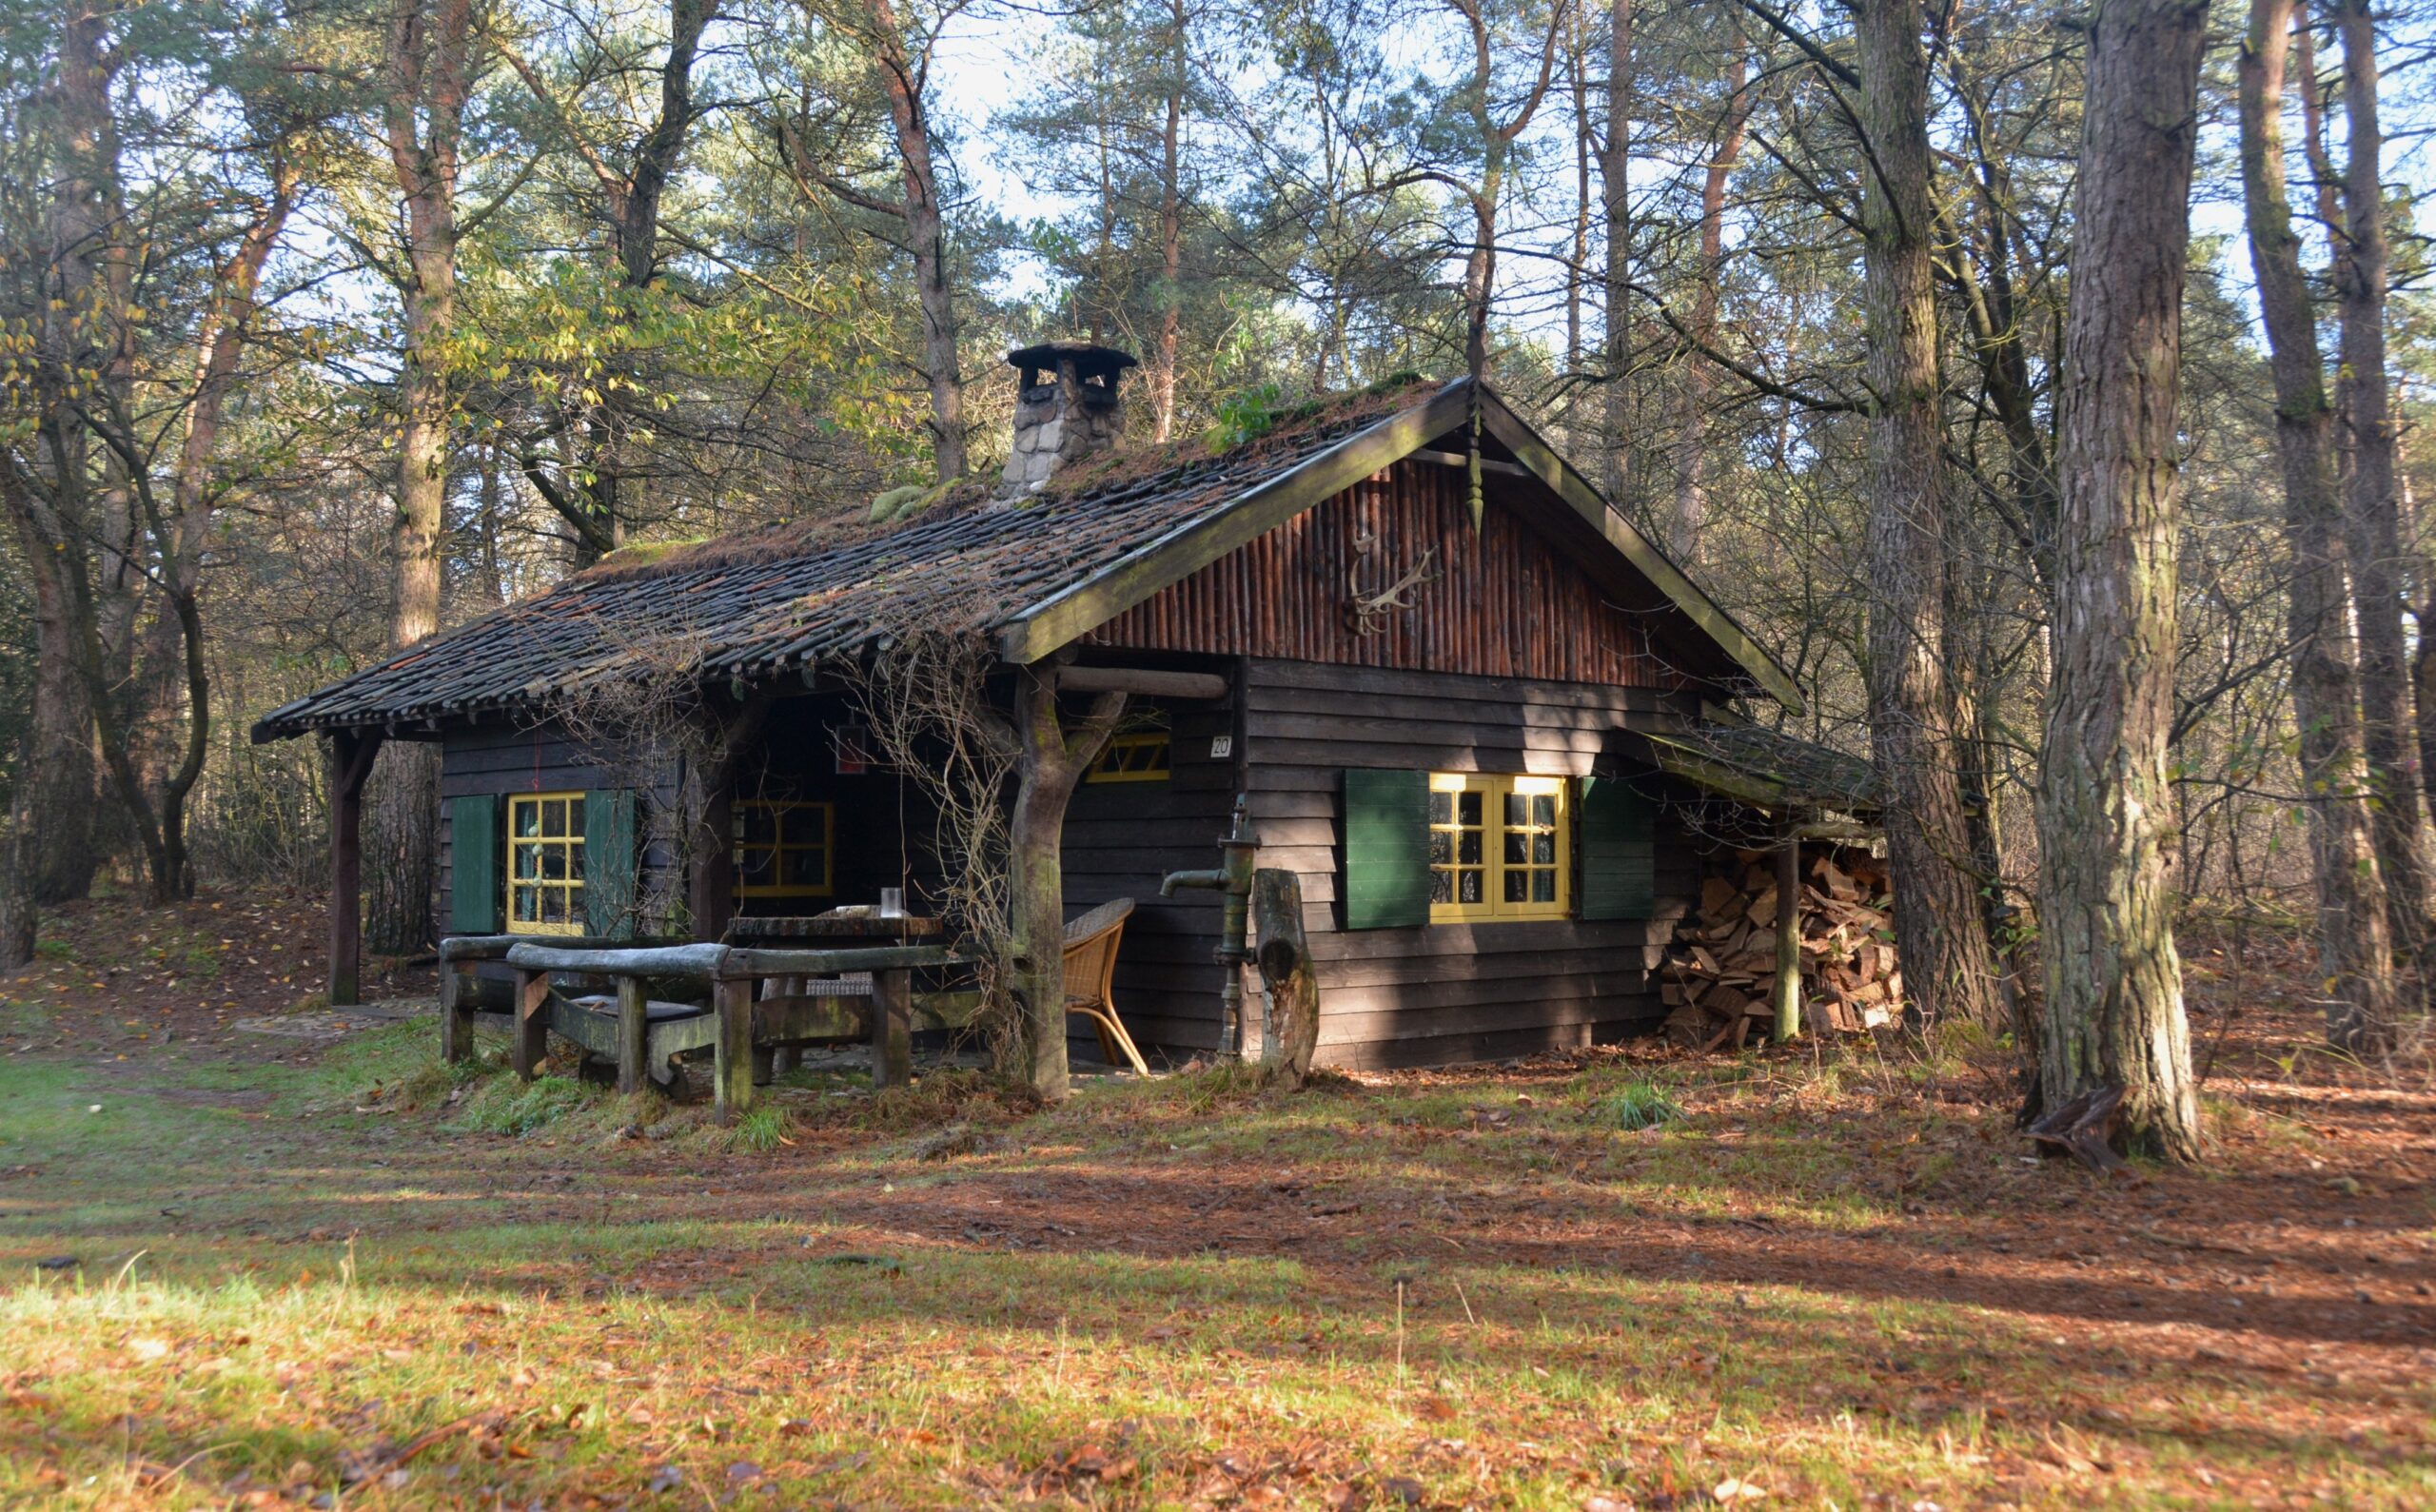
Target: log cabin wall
pixel 1502 601
pixel 1121 838
pixel 507 758
pixel 1451 992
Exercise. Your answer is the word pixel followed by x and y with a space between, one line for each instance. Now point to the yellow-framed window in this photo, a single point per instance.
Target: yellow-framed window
pixel 785 848
pixel 1500 847
pixel 545 863
pixel 1140 755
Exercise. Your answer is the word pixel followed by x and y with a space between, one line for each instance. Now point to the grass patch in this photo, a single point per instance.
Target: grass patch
pixel 505 1106
pixel 1640 1104
pixel 761 1131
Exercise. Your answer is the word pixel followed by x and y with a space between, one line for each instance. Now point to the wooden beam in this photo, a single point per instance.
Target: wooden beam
pixel 1150 682
pixel 1462 460
pixel 891 1028
pixel 1786 997
pixel 731 1053
pixel 741 962
pixel 634 1033
pixel 530 1038
pixel 1076 611
pixel 701 962
pixel 1715 622
pixel 351 756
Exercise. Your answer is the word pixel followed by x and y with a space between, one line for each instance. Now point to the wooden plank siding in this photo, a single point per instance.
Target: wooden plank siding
pixel 1448 992
pixel 1505 602
pixel 509 757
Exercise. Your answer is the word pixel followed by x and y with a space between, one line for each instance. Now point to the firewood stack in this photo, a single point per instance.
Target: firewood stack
pixel 1719 978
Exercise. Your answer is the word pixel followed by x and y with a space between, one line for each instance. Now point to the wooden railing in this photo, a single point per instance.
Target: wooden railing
pixel 742 1026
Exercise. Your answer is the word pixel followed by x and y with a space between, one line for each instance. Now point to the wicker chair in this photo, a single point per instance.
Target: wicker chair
pixel 1090 966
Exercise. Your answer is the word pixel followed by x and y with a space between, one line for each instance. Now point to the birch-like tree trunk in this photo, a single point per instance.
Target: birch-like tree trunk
pixel 1163 361
pixel 2371 519
pixel 1916 717
pixel 907 85
pixel 426 83
pixel 2114 1003
pixel 1691 392
pixel 1616 207
pixel 2354 946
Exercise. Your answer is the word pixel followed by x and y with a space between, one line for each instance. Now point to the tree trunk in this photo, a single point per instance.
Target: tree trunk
pixel 1051 761
pixel 20 916
pixel 2114 1006
pixel 1615 163
pixel 1162 372
pixel 1692 394
pixel 926 234
pixel 57 780
pixel 2354 948
pixel 1914 713
pixel 423 115
pixel 2371 523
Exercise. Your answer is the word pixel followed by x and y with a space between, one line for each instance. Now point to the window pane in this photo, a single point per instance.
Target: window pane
pixel 760 822
pixel 753 867
pixel 803 868
pixel 1470 886
pixel 554 817
pixel 574 863
pixel 554 863
pixel 1544 887
pixel 1544 847
pixel 1543 809
pixel 1441 808
pixel 1155 755
pixel 575 816
pixel 1442 887
pixel 554 906
pixel 1517 809
pixel 522 858
pixel 1517 886
pixel 1468 805
pixel 1518 847
pixel 1468 847
pixel 526 909
pixel 528 819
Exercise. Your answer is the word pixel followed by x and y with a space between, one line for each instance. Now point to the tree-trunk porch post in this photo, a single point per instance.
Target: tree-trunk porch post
pixel 350 764
pixel 1787 993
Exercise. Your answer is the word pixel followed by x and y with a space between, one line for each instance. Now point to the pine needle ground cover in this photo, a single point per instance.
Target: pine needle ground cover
pixel 247 1270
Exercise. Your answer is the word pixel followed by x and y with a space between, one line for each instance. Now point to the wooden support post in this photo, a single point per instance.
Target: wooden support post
pixel 634 1034
pixel 455 1013
pixel 891 1028
pixel 532 1037
pixel 731 1053
pixel 351 755
pixel 1788 988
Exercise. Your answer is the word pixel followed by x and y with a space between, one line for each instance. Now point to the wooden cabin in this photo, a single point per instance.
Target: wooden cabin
pixel 1482 727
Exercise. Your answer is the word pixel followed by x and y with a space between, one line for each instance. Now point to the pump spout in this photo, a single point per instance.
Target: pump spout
pixel 1176 879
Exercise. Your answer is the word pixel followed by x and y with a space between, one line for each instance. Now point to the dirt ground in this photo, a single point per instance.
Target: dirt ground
pixel 1845 1235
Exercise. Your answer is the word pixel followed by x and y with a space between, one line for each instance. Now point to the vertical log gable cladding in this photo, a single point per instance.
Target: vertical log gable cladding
pixel 1500 602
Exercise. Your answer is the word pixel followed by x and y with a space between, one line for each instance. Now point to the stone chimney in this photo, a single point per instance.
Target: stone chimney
pixel 1067 409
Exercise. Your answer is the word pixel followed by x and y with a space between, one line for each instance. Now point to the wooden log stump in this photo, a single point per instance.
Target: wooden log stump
pixel 1289 980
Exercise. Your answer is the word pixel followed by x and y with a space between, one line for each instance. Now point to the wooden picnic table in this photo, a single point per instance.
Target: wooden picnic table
pixel 868 992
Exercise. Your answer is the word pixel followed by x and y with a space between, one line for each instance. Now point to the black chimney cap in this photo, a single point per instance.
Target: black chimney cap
pixel 1091 360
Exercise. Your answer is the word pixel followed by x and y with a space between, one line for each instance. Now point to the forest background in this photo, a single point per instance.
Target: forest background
pixel 327 323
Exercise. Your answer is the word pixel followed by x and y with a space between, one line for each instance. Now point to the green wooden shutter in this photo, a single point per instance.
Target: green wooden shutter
pixel 1387 849
pixel 1618 842
pixel 610 862
pixel 475 850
